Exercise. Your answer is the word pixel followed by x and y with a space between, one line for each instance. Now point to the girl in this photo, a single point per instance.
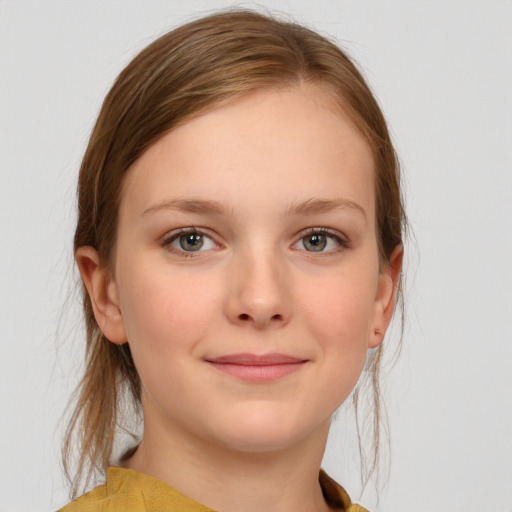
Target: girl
pixel 240 243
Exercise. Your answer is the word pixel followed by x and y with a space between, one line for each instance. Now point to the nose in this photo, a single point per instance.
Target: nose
pixel 259 292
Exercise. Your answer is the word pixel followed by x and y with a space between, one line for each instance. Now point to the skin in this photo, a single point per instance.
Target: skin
pixel 278 163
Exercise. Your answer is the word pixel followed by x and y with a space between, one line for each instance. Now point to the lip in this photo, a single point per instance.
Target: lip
pixel 257 368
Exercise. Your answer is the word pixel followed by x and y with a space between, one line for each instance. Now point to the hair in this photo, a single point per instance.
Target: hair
pixel 182 74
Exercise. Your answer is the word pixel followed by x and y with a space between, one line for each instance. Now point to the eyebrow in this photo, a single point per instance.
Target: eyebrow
pixel 310 206
pixel 315 206
pixel 188 205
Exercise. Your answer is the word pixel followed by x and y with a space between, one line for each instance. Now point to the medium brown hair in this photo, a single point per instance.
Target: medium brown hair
pixel 182 74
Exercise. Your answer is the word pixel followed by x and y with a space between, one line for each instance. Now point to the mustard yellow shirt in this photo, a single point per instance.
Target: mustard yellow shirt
pixel 130 491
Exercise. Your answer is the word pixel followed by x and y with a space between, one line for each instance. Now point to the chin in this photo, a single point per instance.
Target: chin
pixel 264 434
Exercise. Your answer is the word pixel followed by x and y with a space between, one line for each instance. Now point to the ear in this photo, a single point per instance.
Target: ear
pixel 102 290
pixel 385 297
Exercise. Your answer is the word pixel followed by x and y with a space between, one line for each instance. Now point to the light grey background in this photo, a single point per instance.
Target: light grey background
pixel 443 73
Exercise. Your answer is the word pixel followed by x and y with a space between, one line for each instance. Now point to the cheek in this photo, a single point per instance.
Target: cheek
pixel 166 318
pixel 165 311
pixel 340 308
pixel 339 317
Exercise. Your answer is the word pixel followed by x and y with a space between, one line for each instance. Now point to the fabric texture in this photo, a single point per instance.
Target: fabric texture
pixel 130 491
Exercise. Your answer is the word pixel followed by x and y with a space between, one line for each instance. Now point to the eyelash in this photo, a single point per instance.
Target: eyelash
pixel 323 231
pixel 175 235
pixel 343 242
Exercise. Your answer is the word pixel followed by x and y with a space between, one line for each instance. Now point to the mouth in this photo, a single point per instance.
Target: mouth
pixel 257 368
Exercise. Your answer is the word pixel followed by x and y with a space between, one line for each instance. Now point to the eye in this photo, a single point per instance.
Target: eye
pixel 320 240
pixel 189 241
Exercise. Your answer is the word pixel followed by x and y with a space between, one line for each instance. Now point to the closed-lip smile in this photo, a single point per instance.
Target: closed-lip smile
pixel 257 368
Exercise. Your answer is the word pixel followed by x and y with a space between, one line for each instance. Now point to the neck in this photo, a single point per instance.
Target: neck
pixel 230 480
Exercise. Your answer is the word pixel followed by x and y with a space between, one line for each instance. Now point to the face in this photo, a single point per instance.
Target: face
pixel 246 277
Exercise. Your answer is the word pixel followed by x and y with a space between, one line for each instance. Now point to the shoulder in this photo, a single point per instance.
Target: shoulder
pixel 120 492
pixel 130 491
pixel 94 501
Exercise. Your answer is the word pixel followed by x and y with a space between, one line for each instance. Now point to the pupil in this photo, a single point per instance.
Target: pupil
pixel 191 241
pixel 315 242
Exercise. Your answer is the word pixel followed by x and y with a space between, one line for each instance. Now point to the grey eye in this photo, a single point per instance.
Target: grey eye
pixel 191 241
pixel 188 241
pixel 315 242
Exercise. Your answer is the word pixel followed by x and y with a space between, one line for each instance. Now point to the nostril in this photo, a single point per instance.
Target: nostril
pixel 244 317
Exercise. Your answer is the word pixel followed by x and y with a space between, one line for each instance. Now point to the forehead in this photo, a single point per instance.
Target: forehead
pixel 295 142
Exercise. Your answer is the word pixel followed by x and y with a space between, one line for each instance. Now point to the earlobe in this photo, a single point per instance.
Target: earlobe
pixel 102 291
pixel 385 297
